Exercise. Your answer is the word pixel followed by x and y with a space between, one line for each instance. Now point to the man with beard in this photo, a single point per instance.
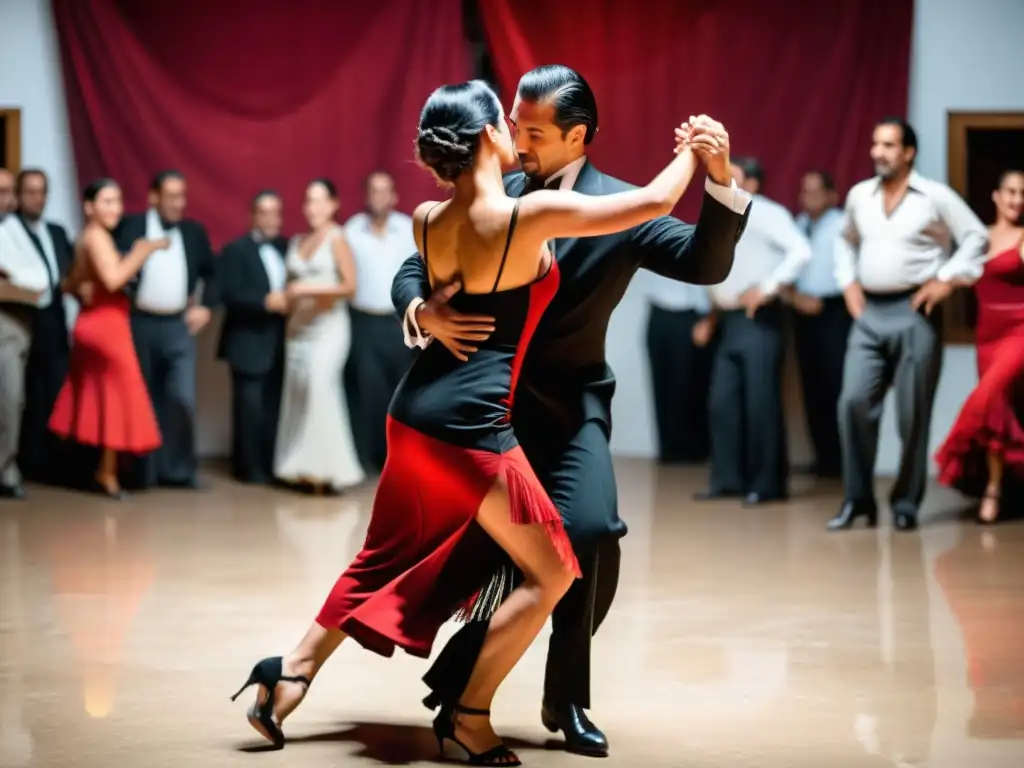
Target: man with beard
pixel 562 412
pixel 894 267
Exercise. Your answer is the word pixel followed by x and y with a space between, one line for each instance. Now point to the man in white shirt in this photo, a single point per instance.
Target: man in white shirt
pixel 894 265
pixel 251 276
pixel 748 431
pixel 821 322
pixel 679 355
pixel 39 255
pixel 381 239
pixel 166 317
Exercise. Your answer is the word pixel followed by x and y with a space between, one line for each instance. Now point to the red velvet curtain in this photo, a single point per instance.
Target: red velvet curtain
pixel 246 95
pixel 798 84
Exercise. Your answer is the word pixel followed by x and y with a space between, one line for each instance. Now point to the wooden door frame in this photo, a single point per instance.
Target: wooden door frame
pixel 12 116
pixel 957 126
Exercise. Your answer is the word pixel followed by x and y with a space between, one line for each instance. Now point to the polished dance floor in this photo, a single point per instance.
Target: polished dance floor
pixel 739 637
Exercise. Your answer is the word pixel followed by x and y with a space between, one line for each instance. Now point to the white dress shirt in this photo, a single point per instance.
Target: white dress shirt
pixel 29 279
pixel 163 287
pixel 672 295
pixel 770 253
pixel 378 257
pixel 273 262
pixel 732 197
pixel 818 277
pixel 912 245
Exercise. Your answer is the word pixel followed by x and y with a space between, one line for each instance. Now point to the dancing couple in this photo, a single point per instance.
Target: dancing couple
pixel 457 494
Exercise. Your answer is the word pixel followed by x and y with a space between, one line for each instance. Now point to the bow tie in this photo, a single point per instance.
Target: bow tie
pixel 533 183
pixel 169 225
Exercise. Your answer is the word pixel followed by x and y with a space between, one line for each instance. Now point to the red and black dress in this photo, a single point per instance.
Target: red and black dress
pixel 449 443
pixel 990 419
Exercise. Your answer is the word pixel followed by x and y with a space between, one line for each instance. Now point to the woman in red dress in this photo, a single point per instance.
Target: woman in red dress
pixel 987 439
pixel 104 401
pixel 456 488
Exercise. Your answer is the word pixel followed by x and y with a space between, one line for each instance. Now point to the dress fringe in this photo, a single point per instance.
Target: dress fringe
pixel 528 504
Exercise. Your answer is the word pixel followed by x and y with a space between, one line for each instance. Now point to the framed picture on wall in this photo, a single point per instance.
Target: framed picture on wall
pixel 981 145
pixel 10 139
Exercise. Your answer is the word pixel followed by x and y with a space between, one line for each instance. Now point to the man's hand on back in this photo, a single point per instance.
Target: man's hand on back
pixel 453 330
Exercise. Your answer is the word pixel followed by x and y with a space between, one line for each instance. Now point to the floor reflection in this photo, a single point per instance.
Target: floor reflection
pixel 981 579
pixel 747 637
pixel 100 571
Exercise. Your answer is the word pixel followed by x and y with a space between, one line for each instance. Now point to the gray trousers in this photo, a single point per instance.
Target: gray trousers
pixel 167 357
pixel 15 342
pixel 890 345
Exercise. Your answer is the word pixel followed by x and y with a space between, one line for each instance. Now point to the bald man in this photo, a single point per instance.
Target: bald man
pixel 7 202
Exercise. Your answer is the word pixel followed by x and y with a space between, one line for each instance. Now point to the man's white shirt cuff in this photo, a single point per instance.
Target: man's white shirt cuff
pixel 411 329
pixel 732 197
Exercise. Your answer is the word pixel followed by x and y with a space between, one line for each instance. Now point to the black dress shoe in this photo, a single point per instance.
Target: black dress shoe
pixel 713 495
pixel 849 513
pixel 13 492
pixel 904 520
pixel 582 737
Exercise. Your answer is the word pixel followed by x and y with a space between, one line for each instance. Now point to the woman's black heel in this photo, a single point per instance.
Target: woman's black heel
pixel 261 716
pixel 444 729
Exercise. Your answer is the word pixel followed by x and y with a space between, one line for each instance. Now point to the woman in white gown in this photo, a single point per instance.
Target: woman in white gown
pixel 314 439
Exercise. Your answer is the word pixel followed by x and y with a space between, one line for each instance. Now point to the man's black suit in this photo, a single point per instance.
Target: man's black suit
pixel 252 343
pixel 562 411
pixel 40 455
pixel 167 356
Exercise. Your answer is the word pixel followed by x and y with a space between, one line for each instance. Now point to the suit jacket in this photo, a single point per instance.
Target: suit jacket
pixel 251 339
pixel 199 258
pixel 565 378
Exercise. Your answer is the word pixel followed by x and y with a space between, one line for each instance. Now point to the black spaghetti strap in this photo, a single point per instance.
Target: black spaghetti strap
pixel 508 242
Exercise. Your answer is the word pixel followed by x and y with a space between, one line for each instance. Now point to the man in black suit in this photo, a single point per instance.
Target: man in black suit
pixel 40 455
pixel 251 277
pixel 562 412
pixel 165 319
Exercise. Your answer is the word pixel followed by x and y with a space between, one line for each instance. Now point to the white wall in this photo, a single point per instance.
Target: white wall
pixel 965 56
pixel 30 80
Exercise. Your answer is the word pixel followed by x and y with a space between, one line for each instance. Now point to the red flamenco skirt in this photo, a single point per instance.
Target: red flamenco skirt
pixel 104 401
pixel 990 421
pixel 425 557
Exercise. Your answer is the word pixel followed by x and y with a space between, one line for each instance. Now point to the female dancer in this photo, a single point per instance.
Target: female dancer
pixel 988 437
pixel 104 400
pixel 454 470
pixel 314 436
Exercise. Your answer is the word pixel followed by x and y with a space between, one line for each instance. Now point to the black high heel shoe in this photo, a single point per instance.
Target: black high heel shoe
pixel 268 673
pixel 444 729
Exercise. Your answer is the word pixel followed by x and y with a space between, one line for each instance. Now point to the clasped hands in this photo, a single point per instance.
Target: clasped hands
pixel 710 143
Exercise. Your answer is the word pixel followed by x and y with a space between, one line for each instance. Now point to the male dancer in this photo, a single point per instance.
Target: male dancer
pixel 562 411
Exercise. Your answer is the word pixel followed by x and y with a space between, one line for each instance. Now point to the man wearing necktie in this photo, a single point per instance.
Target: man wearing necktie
pixel 46 246
pixel 251 276
pixel 166 316
pixel 562 413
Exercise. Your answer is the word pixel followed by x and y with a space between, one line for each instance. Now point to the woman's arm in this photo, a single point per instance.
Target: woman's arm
pixel 112 272
pixel 346 266
pixel 550 214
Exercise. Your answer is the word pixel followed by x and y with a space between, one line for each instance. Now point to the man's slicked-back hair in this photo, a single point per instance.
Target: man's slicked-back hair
pixel 567 91
pixel 158 181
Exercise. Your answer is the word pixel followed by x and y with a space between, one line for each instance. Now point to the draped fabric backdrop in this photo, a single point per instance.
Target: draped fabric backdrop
pixel 798 85
pixel 243 96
